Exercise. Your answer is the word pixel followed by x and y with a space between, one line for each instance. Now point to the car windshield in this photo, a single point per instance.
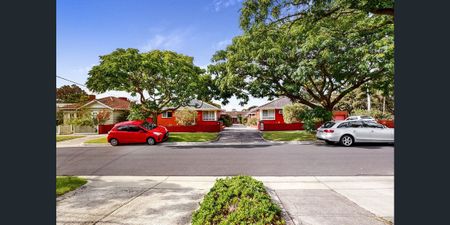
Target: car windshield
pixel 366 117
pixel 148 126
pixel 328 124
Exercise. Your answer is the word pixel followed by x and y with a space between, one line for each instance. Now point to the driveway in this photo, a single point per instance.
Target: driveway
pixel 161 200
pixel 275 160
pixel 241 134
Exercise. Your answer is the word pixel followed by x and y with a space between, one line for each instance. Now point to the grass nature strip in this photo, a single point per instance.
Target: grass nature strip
pixel 65 184
pixel 299 135
pixel 65 138
pixel 237 200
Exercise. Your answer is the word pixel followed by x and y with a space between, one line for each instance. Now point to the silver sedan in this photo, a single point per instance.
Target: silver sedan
pixel 357 131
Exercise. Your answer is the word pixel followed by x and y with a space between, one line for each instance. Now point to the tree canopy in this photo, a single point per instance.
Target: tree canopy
pixel 159 78
pixel 313 64
pixel 254 12
pixel 70 94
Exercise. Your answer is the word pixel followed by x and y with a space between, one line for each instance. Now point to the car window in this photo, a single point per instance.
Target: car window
pixel 148 126
pixel 366 117
pixel 133 128
pixel 343 125
pixel 328 124
pixel 122 128
pixel 373 125
pixel 355 124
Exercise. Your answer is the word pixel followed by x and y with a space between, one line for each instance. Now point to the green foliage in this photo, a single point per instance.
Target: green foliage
pixel 185 116
pixel 237 200
pixel 137 112
pixel 82 121
pixel 292 112
pixel 357 99
pixel 158 78
pixel 59 118
pixel 84 118
pixel 311 117
pixel 252 121
pixel 226 119
pixel 240 119
pixel 123 116
pixel 192 136
pixel 70 94
pixel 65 184
pixel 375 113
pixel 315 64
pixel 254 13
pixel 298 135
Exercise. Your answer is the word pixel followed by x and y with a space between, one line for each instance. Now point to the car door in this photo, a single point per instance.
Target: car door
pixel 122 134
pixel 361 133
pixel 379 133
pixel 136 134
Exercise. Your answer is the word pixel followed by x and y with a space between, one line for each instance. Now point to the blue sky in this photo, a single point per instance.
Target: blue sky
pixel 87 29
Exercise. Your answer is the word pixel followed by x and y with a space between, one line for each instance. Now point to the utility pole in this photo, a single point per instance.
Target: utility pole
pixel 368 100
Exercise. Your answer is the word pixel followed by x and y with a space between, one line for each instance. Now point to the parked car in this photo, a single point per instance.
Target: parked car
pixel 360 118
pixel 137 132
pixel 355 131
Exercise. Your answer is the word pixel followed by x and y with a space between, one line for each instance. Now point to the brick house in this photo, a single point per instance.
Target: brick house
pixel 207 118
pixel 270 116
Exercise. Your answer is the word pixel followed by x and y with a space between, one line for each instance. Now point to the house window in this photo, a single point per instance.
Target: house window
pixel 167 114
pixel 268 114
pixel 209 116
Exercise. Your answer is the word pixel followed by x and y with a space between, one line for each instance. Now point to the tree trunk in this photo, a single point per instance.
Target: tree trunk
pixel 155 118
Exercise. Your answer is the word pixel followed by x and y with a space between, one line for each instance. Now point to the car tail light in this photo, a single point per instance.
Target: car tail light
pixel 328 131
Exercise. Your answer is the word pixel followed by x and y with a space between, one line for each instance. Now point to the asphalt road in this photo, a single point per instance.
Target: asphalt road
pixel 278 160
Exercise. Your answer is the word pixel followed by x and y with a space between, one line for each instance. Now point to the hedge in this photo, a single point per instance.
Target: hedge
pixel 237 200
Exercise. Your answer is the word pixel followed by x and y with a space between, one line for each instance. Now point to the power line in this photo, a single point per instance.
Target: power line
pixel 70 81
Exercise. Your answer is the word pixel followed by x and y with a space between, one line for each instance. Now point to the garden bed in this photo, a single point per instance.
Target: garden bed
pixel 237 200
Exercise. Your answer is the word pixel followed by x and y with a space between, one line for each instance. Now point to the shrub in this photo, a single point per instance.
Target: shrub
pixel 237 200
pixel 226 119
pixel 59 118
pixel 311 117
pixel 252 122
pixel 185 116
pixel 292 112
pixel 123 116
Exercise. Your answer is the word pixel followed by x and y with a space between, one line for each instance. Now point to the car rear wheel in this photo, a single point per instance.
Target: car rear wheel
pixel 347 140
pixel 113 142
pixel 150 141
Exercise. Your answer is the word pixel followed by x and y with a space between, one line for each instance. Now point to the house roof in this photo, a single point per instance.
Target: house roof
pixel 278 103
pixel 111 102
pixel 234 114
pixel 198 105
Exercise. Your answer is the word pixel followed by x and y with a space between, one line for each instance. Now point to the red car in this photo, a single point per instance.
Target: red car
pixel 137 132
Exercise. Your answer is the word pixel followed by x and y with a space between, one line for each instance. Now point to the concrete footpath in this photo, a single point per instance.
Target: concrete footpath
pixel 307 200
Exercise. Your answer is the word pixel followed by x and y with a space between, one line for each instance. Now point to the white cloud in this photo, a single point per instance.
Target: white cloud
pixel 167 41
pixel 222 44
pixel 222 4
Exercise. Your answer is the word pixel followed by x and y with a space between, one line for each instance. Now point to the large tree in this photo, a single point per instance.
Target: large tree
pixel 70 94
pixel 313 64
pixel 255 12
pixel 159 78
